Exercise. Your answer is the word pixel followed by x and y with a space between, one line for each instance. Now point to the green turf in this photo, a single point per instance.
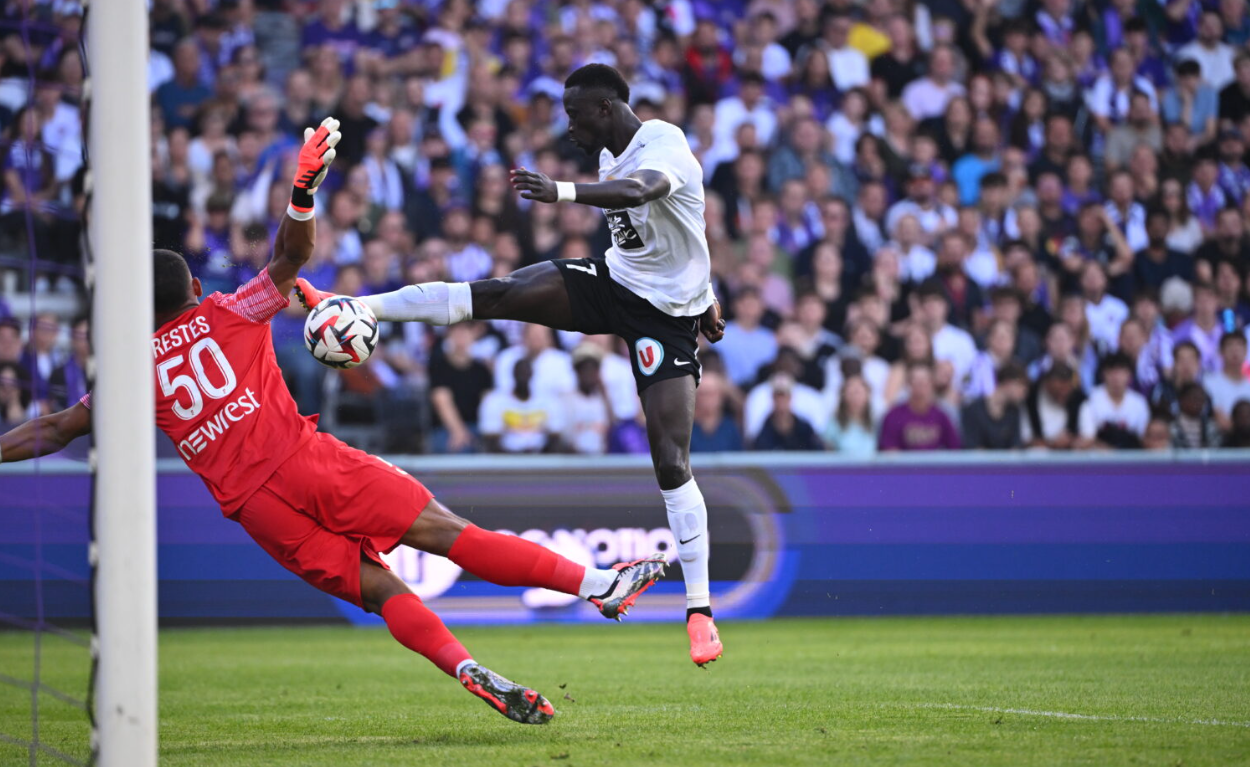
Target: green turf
pixel 863 691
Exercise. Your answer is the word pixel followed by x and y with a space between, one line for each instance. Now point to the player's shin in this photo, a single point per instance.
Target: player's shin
pixel 687 518
pixel 434 303
pixel 416 627
pixel 507 560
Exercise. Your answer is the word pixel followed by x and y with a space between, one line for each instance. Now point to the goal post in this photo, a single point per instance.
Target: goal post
pixel 120 231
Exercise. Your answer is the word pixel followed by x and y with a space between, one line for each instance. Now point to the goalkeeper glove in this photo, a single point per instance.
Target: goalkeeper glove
pixel 314 161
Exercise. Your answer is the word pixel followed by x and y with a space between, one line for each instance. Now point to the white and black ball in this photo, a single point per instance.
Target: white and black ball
pixel 341 332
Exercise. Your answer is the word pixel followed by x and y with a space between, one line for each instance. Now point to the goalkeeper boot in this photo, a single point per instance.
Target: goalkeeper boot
pixel 518 703
pixel 705 645
pixel 309 296
pixel 632 579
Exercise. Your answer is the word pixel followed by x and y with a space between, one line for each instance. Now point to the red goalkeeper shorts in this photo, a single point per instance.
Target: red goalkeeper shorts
pixel 328 507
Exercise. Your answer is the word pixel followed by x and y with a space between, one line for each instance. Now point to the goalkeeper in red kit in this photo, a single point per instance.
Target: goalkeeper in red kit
pixel 324 510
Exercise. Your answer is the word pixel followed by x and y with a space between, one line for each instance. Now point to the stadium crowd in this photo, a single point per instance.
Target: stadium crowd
pixel 934 224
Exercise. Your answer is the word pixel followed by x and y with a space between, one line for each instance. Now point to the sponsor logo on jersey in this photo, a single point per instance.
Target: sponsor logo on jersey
pixel 623 233
pixel 649 355
pixel 207 432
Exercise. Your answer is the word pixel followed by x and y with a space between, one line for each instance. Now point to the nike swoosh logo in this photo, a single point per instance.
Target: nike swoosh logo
pixel 688 540
pixel 679 363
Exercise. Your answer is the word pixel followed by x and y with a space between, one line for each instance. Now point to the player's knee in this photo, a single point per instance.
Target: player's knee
pixel 489 297
pixel 672 472
pixel 378 586
pixel 435 530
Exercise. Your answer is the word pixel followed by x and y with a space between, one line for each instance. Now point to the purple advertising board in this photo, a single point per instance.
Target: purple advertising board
pixel 791 536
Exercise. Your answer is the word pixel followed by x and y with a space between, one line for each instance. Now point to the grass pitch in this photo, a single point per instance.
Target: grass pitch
pixel 1154 690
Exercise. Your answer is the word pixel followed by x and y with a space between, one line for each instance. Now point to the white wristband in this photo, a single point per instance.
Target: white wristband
pixel 566 191
pixel 298 215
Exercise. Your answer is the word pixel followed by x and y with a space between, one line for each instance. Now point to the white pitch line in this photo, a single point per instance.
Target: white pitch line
pixel 1084 717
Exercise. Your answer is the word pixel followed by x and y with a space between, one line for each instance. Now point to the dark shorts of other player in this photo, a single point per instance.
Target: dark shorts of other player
pixel 661 346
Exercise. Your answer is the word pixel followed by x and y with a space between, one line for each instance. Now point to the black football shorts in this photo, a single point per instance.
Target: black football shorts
pixel 661 346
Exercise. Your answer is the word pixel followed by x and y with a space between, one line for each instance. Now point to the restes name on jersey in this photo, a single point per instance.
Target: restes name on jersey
pixel 208 431
pixel 179 336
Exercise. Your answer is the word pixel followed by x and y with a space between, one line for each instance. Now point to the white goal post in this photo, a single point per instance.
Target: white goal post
pixel 120 231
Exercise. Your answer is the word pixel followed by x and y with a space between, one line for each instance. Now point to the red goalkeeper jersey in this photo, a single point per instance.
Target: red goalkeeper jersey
pixel 220 395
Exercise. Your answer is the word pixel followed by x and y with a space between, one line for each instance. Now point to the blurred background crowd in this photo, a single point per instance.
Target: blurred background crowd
pixel 934 224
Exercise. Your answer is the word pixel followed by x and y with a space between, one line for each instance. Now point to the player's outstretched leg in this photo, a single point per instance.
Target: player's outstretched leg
pixel 416 627
pixel 507 560
pixel 533 294
pixel 669 407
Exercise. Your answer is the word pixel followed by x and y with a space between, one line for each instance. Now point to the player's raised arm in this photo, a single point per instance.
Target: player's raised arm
pixel 297 232
pixel 637 188
pixel 45 435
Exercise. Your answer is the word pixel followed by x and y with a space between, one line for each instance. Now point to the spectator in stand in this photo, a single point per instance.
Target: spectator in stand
pixel 714 430
pixel 551 373
pixel 747 345
pixel 1007 306
pixel 15 400
pixel 1193 426
pixel 1235 97
pixel 809 403
pixel 1103 312
pixel 1227 243
pixel 918 424
pixel 1141 127
pixel 519 421
pixel 180 98
pixel 994 421
pixel 1109 100
pixel 783 429
pixel 847 64
pixel 1210 51
pixel 1234 175
pixel 928 96
pixel 902 63
pixel 962 293
pixel 42 357
pixel 1155 263
pixel 853 430
pixel 1239 436
pixel 1228 385
pixel 1114 416
pixel 751 105
pixel 950 343
pixel 1203 329
pixel 588 418
pixel 458 383
pixel 933 215
pixel 1184 230
pixel 1000 343
pixel 1192 102
pixel 1158 435
pixel 1053 409
pixel 70 383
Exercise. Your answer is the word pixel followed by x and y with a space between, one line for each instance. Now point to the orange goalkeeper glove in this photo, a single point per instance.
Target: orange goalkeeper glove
pixel 314 161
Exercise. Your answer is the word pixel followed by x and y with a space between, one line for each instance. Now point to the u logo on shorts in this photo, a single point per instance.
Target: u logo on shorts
pixel 649 354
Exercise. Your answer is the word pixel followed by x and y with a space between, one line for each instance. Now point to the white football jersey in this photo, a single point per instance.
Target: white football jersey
pixel 659 251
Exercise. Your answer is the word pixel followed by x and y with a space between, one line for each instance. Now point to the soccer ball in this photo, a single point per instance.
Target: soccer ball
pixel 341 332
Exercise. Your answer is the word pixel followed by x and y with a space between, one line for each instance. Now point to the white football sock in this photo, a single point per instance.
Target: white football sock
pixel 434 303
pixel 462 664
pixel 687 518
pixel 596 582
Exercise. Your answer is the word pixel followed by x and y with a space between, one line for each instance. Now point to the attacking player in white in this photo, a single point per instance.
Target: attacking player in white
pixel 652 288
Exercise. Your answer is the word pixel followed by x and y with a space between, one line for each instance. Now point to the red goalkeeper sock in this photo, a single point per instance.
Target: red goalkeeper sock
pixel 507 560
pixel 416 627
